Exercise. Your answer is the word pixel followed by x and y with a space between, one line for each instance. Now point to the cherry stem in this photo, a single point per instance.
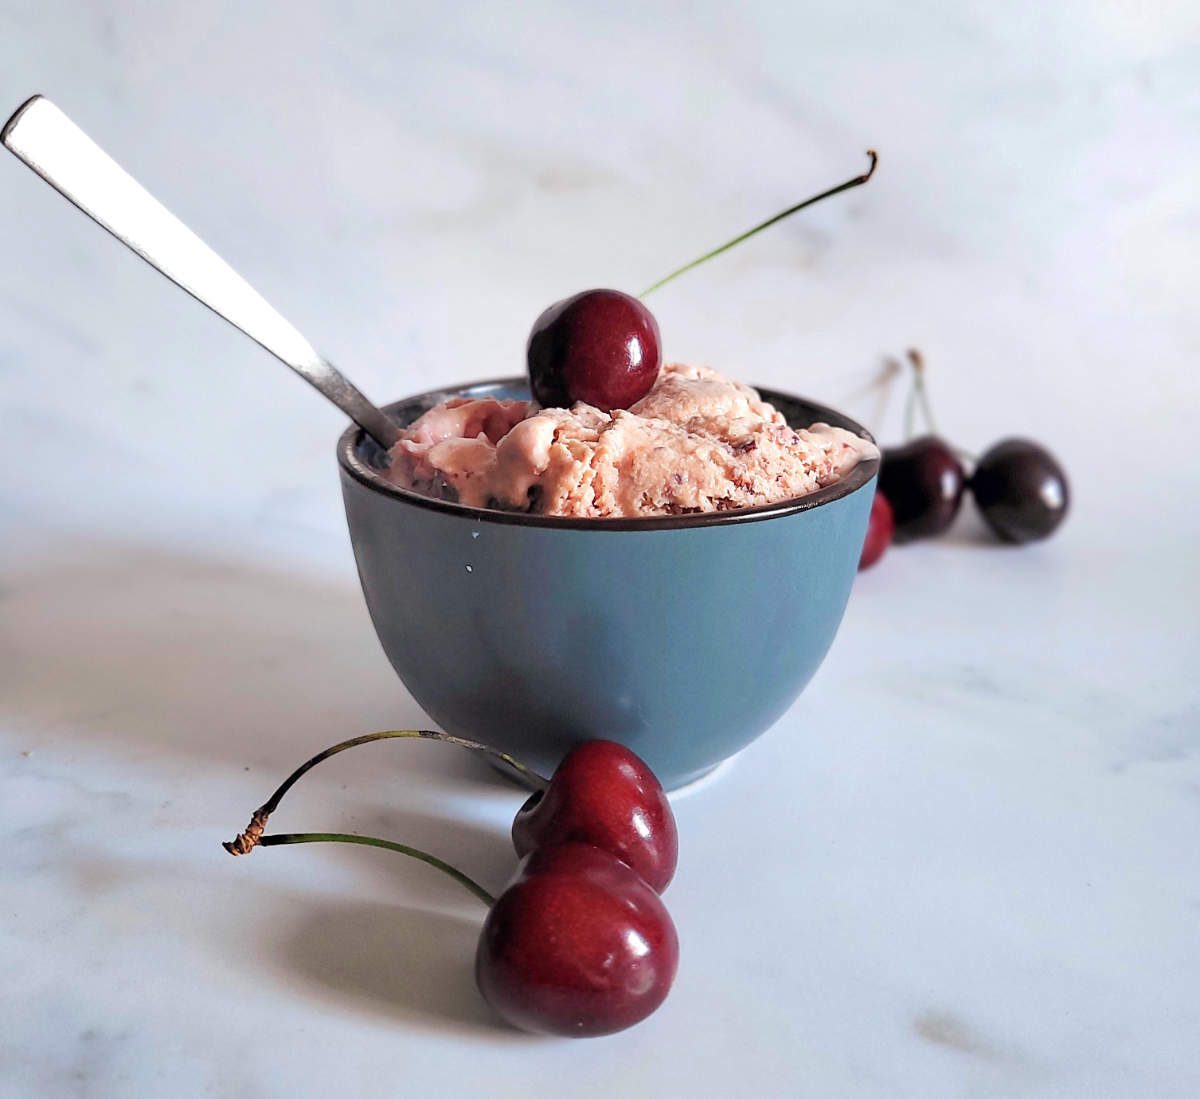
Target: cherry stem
pixel 246 841
pixel 918 394
pixel 370 841
pixel 857 181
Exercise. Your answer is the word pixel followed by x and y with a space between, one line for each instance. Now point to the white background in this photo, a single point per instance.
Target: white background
pixel 966 862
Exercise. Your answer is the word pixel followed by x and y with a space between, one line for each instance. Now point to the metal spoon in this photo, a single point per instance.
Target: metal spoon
pixel 66 158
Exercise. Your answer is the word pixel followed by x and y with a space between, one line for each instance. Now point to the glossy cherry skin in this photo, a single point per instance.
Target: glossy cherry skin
pixel 577 944
pixel 880 527
pixel 1021 490
pixel 605 795
pixel 601 347
pixel 923 480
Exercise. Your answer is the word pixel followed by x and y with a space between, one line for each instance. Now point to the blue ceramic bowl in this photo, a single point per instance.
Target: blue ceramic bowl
pixel 683 637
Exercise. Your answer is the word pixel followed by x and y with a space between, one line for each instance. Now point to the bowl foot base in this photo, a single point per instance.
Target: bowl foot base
pixel 688 786
pixel 704 779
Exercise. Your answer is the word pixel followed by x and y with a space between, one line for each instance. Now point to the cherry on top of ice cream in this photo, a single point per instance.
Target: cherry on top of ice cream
pixel 613 432
pixel 600 347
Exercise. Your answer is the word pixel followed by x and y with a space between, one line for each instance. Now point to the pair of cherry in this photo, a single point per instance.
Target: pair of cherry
pixel 1019 487
pixel 579 943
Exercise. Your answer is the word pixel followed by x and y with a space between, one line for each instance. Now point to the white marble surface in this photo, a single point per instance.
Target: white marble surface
pixel 965 864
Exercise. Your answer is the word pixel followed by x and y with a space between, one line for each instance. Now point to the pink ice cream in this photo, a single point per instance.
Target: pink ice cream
pixel 696 442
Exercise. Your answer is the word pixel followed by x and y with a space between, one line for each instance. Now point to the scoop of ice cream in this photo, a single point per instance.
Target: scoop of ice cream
pixel 696 442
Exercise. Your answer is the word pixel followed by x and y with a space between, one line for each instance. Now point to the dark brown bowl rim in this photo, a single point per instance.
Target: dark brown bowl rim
pixel 370 478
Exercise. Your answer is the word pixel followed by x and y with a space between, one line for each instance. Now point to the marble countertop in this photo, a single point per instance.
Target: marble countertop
pixel 964 864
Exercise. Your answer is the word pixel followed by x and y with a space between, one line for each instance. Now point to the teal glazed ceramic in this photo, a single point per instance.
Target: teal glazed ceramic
pixel 682 637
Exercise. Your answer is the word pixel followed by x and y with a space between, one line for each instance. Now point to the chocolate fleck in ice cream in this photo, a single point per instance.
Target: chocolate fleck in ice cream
pixel 696 442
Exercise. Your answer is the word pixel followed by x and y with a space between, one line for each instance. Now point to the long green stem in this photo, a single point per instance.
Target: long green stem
pixel 857 181
pixel 246 841
pixel 370 841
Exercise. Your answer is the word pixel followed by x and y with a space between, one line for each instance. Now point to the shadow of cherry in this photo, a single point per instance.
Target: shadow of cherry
pixel 400 963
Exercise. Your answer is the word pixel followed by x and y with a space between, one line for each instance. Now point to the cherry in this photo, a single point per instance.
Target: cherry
pixel 601 347
pixel 578 944
pixel 880 527
pixel 1021 490
pixel 605 795
pixel 923 480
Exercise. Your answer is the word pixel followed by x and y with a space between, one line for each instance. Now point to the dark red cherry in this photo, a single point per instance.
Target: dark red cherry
pixel 605 795
pixel 601 347
pixel 923 481
pixel 1021 490
pixel 879 531
pixel 577 944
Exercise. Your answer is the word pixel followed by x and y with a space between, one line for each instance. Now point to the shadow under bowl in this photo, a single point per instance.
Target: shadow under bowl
pixel 683 637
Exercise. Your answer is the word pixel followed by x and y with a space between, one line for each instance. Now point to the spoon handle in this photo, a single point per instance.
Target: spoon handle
pixel 66 158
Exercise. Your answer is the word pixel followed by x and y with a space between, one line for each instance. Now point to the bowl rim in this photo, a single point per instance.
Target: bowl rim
pixel 353 466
